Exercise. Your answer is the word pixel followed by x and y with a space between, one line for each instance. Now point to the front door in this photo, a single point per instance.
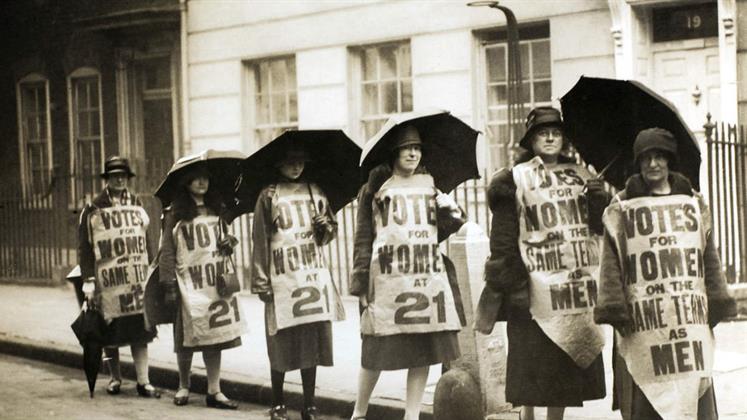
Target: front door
pixel 689 78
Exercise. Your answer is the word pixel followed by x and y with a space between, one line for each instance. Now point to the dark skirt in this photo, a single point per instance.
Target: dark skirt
pixel 179 339
pixel 404 351
pixel 541 374
pixel 300 347
pixel 128 330
pixel 633 404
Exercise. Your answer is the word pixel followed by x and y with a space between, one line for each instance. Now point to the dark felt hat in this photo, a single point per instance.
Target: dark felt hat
pixel 538 118
pixel 655 138
pixel 117 165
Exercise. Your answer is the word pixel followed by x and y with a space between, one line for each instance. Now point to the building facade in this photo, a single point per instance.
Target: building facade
pixel 256 68
pixel 156 79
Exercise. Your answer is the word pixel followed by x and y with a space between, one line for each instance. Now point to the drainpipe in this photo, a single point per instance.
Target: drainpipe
pixel 185 142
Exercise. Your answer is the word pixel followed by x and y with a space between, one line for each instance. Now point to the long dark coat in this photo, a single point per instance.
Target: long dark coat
pixel 612 307
pixel 125 330
pixel 538 372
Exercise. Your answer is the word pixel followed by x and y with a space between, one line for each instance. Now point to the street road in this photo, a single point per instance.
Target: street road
pixel 36 390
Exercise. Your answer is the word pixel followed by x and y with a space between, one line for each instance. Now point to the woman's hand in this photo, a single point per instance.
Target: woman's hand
pixel 446 201
pixel 266 297
pixel 594 185
pixel 363 300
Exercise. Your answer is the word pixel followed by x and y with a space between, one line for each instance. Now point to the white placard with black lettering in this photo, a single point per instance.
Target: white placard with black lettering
pixel 560 254
pixel 669 346
pixel 207 317
pixel 118 240
pixel 409 291
pixel 301 281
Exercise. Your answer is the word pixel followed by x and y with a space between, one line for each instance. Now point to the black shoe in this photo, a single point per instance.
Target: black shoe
pixel 148 391
pixel 183 400
pixel 212 402
pixel 278 413
pixel 309 413
pixel 114 387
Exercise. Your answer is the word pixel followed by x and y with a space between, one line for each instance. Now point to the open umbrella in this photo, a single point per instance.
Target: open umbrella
pixel 449 143
pixel 603 116
pixel 333 166
pixel 90 328
pixel 223 166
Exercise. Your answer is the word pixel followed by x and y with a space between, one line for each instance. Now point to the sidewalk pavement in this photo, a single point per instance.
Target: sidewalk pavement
pixel 36 323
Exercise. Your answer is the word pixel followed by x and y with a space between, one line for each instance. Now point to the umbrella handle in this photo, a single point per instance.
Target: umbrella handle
pixel 313 201
pixel 609 165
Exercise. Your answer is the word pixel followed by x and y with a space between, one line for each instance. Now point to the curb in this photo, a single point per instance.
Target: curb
pixel 239 387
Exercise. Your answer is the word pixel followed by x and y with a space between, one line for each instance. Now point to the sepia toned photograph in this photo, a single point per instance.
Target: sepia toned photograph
pixel 373 209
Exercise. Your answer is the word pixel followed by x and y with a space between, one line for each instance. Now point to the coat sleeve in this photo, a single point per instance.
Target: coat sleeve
pixel 449 220
pixel 86 257
pixel 262 226
pixel 721 304
pixel 362 243
pixel 505 270
pixel 597 202
pixel 611 302
pixel 167 259
pixel 329 226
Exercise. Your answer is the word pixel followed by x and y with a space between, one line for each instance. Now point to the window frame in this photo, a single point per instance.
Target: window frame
pixel 528 36
pixel 26 173
pixel 358 118
pixel 82 73
pixel 251 126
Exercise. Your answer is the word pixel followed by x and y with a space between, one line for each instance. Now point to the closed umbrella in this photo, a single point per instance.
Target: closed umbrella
pixel 90 329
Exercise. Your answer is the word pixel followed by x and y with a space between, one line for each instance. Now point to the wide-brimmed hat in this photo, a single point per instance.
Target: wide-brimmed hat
pixel 117 165
pixel 539 117
pixel 655 138
pixel 406 136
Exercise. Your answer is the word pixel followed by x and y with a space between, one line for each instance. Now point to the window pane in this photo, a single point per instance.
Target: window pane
pixel 370 99
pixel 526 92
pixel 498 114
pixel 292 107
pixel 95 127
pixel 389 97
pixel 157 73
pixel 406 88
pixel 496 62
pixel 388 62
pixel 279 109
pixel 31 128
pixel 372 127
pixel 262 77
pixel 525 64
pixel 263 109
pixel 370 58
pixel 277 75
pixel 404 61
pixel 541 59
pixel 497 95
pixel 542 91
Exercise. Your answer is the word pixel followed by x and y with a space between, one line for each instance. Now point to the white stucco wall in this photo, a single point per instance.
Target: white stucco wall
pixel 223 34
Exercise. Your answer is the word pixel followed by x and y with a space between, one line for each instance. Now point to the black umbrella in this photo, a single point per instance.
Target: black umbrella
pixel 449 146
pixel 90 329
pixel 333 166
pixel 223 166
pixel 603 117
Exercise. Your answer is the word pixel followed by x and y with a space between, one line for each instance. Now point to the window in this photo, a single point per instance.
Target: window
pixel 385 84
pixel 536 88
pixel 275 107
pixel 86 127
pixel 34 134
